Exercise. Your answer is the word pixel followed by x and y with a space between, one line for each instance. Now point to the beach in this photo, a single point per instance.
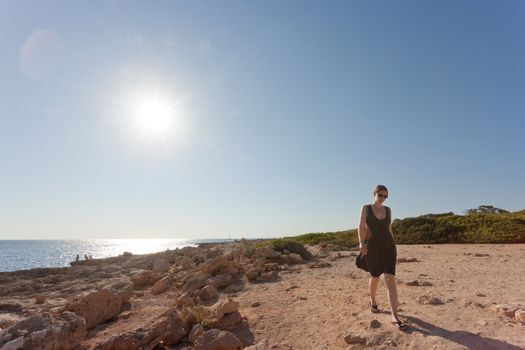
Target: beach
pixel 452 296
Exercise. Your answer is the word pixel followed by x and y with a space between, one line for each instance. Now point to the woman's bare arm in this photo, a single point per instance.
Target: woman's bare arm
pixel 390 226
pixel 362 229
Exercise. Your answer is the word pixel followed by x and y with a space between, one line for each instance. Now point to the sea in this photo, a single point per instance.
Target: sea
pixel 29 254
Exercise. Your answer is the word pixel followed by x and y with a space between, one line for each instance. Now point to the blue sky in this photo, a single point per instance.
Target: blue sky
pixel 284 115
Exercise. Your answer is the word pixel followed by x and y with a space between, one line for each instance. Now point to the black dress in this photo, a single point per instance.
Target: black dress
pixel 382 252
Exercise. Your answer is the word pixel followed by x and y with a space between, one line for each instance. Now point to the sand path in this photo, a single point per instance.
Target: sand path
pixel 317 308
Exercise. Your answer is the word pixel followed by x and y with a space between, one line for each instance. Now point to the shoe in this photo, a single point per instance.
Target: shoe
pixel 374 308
pixel 399 324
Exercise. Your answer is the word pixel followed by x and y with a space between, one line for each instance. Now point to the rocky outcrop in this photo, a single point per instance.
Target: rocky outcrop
pixel 101 305
pixel 45 332
pixel 143 278
pixel 162 285
pixel 298 248
pixel 215 339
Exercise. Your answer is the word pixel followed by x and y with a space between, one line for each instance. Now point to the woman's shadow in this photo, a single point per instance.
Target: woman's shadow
pixel 471 340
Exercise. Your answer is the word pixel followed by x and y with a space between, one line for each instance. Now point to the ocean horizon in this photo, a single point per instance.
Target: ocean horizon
pixel 30 254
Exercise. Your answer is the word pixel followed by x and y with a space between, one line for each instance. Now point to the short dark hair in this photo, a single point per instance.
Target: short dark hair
pixel 380 188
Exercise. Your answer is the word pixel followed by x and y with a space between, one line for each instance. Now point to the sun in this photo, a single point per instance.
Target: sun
pixel 154 117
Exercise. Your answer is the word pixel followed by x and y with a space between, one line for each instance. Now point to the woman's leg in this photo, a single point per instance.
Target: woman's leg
pixel 392 294
pixel 374 283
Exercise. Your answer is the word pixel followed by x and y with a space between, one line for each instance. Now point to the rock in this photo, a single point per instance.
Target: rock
pixel 214 265
pixel 176 328
pixel 256 304
pixel 7 320
pixel 10 307
pixel 429 300
pixel 482 322
pixel 262 345
pixel 208 293
pixel 267 253
pixel 122 286
pixel 161 265
pixel 195 332
pixel 504 310
pixel 425 284
pixel 40 299
pixel 480 295
pixel 269 276
pixel 224 307
pixel 127 254
pixel 215 339
pixel 375 324
pixel 140 336
pixel 252 274
pixel 44 331
pixel 519 315
pixel 295 258
pixel 297 248
pixel 355 339
pixel 195 281
pixel 186 298
pixel 212 253
pixel 319 265
pixel 234 288
pixel 480 254
pixel 227 322
pixel 412 283
pixel 143 278
pixel 271 267
pixel 96 307
pixel 162 285
pixel 221 280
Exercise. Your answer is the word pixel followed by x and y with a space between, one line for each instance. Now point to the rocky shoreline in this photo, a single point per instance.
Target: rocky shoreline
pixel 182 298
pixel 204 297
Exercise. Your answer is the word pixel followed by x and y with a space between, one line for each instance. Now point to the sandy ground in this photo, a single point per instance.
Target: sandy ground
pixel 316 308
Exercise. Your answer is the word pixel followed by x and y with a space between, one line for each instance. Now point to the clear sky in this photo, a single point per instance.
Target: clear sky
pixel 204 119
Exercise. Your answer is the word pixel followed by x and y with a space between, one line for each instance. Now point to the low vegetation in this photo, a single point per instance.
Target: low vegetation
pixel 486 224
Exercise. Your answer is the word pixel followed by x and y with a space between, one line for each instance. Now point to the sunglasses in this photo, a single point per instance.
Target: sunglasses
pixel 382 195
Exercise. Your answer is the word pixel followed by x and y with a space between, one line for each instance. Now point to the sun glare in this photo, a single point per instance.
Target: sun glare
pixel 154 117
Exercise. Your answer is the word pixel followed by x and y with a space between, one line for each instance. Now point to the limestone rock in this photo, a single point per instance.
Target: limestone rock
pixel 162 285
pixel 195 281
pixel 504 310
pixel 221 280
pixel 40 299
pixel 225 306
pixel 44 331
pixel 195 332
pixel 215 339
pixel 143 278
pixel 267 253
pixel 295 258
pixel 252 274
pixel 186 298
pixel 519 315
pixel 355 339
pixel 96 307
pixel 208 293
pixel 271 267
pixel 297 248
pixel 161 266
pixel 429 300
pixel 321 264
pixel 375 324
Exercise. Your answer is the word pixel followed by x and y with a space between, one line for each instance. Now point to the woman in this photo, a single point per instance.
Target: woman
pixel 380 249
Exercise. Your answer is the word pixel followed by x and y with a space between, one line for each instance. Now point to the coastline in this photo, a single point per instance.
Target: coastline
pixel 314 297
